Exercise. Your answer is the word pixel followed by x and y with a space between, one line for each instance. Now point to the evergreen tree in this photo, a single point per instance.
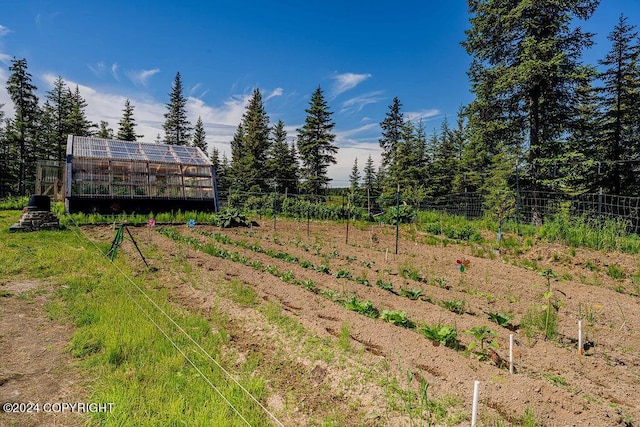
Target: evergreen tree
pixel 369 179
pixel 223 185
pixel 580 165
pixel 444 163
pixel 240 179
pixel 220 168
pixel 56 112
pixel 393 128
pixel 6 179
pixel 177 127
pixel 23 129
pixel 315 144
pixel 127 125
pixel 619 100
pixel 354 178
pixel 104 131
pixel 282 163
pixel 524 73
pixel 200 136
pixel 77 122
pixel 250 146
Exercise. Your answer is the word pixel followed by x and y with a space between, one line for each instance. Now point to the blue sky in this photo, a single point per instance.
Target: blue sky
pixel 362 54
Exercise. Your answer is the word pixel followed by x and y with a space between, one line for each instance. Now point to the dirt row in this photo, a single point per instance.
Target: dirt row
pixel 599 389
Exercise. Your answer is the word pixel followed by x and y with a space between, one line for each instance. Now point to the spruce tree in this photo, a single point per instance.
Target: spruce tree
pixel 6 179
pixel 582 167
pixel 77 122
pixel 282 163
pixel 200 136
pixel 23 129
pixel 619 94
pixel 354 177
pixel 104 131
pixel 221 170
pixel 444 164
pixel 524 73
pixel 56 112
pixel 315 144
pixel 392 135
pixel 369 179
pixel 250 146
pixel 177 127
pixel 127 125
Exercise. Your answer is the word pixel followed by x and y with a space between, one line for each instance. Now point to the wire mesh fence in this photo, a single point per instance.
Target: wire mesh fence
pixel 527 206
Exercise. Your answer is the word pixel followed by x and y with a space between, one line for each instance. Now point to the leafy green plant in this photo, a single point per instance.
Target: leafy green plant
pixel 306 264
pixel 310 285
pixel 362 279
pixel 387 286
pixel 363 307
pixel 397 317
pixel 616 272
pixel 501 319
pixel 481 334
pixel 455 306
pixel 343 274
pixel 441 282
pixel 231 218
pixel 287 276
pixel 441 334
pixel 323 268
pixel 411 273
pixel 412 294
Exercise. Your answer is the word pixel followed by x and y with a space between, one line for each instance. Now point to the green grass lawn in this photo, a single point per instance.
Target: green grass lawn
pixel 130 353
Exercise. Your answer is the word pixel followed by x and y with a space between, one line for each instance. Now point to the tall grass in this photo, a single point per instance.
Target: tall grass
pixel 13 203
pixel 581 231
pixel 128 361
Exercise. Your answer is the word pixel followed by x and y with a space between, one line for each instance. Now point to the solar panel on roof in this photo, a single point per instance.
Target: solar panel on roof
pixel 125 150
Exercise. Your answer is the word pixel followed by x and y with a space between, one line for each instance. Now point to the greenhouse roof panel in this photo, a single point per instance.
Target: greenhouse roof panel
pixel 81 146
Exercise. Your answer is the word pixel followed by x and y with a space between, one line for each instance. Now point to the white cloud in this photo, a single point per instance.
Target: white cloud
pixel 424 114
pixel 356 104
pixel 194 88
pixel 98 69
pixel 5 59
pixel 114 71
pixel 346 81
pixel 345 134
pixel 276 92
pixel 141 77
pixel 4 30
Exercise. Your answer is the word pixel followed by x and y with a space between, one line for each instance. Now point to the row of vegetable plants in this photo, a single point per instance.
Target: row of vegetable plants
pixel 439 333
pixel 456 306
pixel 539 319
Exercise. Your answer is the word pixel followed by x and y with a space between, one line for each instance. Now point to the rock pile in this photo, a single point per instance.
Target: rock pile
pixel 37 216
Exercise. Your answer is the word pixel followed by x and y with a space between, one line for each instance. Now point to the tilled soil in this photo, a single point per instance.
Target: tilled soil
pixel 598 388
pixel 601 387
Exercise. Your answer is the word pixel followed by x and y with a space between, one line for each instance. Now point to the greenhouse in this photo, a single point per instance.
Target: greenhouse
pixel 111 176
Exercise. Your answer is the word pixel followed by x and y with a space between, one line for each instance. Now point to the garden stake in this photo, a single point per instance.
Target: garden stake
pixel 474 410
pixel 580 337
pixel 511 353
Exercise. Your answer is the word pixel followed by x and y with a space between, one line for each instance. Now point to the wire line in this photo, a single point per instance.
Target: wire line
pixel 188 337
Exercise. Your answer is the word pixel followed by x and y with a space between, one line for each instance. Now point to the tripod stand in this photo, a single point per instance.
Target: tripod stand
pixel 117 241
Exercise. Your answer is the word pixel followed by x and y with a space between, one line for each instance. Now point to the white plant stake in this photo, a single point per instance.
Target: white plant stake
pixel 511 353
pixel 474 410
pixel 579 336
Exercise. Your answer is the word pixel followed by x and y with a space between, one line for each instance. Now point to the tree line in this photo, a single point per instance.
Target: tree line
pixel 541 121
